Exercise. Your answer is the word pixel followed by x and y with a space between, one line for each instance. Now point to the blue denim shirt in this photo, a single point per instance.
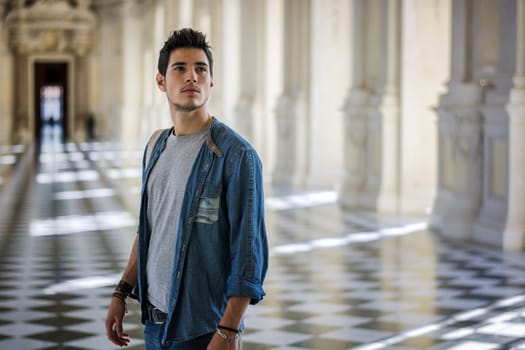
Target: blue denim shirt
pixel 222 248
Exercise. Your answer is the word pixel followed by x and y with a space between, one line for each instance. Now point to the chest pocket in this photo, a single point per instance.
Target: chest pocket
pixel 208 210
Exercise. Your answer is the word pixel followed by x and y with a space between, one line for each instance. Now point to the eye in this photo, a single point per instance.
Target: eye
pixel 178 68
pixel 201 69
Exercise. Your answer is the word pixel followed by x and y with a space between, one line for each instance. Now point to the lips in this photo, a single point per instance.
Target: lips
pixel 191 89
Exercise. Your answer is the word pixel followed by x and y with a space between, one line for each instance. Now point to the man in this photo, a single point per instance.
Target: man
pixel 201 253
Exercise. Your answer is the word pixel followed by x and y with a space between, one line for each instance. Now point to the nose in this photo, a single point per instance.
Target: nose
pixel 191 76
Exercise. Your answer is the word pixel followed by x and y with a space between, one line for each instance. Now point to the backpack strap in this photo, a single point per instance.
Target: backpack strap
pixel 151 145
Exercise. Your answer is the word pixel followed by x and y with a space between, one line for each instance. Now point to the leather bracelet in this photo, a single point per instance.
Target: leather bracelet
pixel 236 331
pixel 124 287
pixel 119 295
pixel 122 297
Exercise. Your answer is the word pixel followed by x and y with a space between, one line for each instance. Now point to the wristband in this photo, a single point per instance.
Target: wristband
pixel 124 287
pixel 236 331
pixel 119 295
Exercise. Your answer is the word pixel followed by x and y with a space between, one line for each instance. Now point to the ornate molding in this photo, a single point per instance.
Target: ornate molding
pixel 51 26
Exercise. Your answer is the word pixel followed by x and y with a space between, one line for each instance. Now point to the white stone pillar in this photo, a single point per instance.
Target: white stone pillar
pixel 355 117
pixel 81 92
pixel 132 48
pixel 514 232
pixel 426 38
pixel 382 192
pixel 292 111
pixel 273 75
pixel 21 126
pixel 494 59
pixel 330 58
pixel 155 113
pixel 109 111
pixel 244 117
pixel 460 136
pixel 251 77
pixel 286 114
pixel 354 179
pixel 228 58
pixel 6 87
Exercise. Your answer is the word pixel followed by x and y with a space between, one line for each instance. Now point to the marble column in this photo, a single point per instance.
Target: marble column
pixel 330 60
pixel 251 50
pixel 244 117
pixel 514 231
pixel 81 90
pixel 21 125
pixel 458 197
pixel 292 111
pixel 110 73
pixel 285 167
pixel 355 117
pixel 425 44
pixel 6 86
pixel 21 129
pixel 354 178
pixel 495 29
pixel 382 191
pixel 132 48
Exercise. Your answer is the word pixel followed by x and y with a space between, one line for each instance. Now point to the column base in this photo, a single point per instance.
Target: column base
pixel 490 223
pixel 514 236
pixel 381 203
pixel 453 216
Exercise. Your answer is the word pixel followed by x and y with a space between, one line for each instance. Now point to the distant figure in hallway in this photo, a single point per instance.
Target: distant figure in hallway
pixel 90 127
pixel 201 253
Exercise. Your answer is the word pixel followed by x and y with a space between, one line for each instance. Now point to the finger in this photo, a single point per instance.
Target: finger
pixel 109 327
pixel 117 327
pixel 124 340
pixel 112 334
pixel 115 335
pixel 120 341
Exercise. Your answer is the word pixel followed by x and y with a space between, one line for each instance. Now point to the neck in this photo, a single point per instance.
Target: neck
pixel 185 123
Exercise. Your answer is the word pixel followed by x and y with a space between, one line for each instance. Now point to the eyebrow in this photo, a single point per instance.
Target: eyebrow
pixel 199 63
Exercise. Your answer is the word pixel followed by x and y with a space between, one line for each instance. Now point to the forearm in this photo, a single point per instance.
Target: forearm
pixel 130 274
pixel 234 312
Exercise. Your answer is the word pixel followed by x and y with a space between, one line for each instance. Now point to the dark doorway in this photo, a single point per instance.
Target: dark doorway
pixel 51 92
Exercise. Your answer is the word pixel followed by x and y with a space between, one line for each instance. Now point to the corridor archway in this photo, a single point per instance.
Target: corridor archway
pixel 51 97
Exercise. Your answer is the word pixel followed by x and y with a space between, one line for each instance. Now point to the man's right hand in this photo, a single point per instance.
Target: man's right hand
pixel 114 319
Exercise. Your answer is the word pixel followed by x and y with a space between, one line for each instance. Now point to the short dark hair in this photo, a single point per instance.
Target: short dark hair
pixel 186 37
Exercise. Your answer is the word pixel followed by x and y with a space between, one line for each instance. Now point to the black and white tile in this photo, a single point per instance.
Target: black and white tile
pixel 337 280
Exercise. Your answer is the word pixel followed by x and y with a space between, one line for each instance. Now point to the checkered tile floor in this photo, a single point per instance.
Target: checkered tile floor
pixel 337 280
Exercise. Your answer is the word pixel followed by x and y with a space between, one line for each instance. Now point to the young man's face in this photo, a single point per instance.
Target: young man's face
pixel 188 82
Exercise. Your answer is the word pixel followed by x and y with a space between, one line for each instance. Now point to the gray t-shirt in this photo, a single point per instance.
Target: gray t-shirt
pixel 166 185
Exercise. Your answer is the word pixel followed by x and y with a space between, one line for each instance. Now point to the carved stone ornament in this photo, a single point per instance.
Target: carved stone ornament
pixel 51 26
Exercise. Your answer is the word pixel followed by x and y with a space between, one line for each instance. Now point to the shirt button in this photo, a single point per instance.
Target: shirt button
pixel 178 275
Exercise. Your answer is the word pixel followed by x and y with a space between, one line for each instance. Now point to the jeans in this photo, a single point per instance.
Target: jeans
pixel 153 338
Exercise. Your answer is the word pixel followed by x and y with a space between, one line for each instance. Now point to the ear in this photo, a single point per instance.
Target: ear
pixel 161 82
pixel 211 82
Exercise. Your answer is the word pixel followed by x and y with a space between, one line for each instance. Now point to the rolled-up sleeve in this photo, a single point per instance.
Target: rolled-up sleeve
pixel 248 239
